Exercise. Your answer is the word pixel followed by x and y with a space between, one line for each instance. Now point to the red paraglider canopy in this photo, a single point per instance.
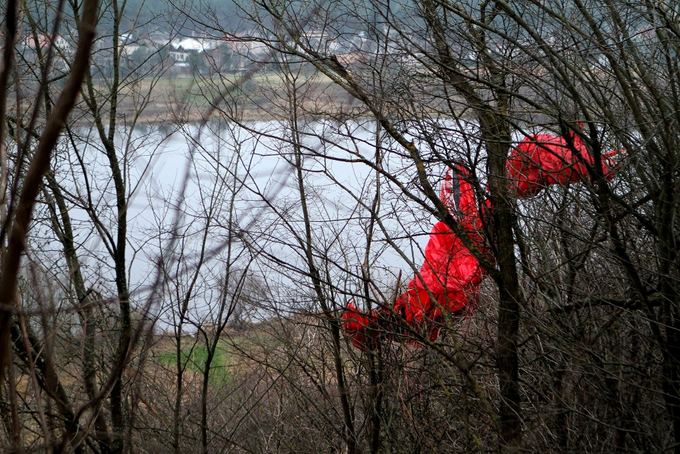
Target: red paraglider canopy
pixel 449 279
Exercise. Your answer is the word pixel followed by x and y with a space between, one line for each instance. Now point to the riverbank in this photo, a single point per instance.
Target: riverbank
pixel 260 98
pixel 263 97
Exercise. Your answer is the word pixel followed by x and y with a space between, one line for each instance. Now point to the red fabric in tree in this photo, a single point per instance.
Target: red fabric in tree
pixel 358 326
pixel 449 279
pixel 450 275
pixel 542 160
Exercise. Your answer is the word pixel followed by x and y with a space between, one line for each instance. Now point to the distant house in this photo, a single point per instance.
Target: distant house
pixel 179 55
pixel 43 42
pixel 197 45
pixel 191 53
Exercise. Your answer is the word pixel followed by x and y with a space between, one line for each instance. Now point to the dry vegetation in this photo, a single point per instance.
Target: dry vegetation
pixel 188 299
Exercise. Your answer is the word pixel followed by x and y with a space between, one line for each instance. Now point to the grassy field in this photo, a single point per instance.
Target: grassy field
pixel 196 357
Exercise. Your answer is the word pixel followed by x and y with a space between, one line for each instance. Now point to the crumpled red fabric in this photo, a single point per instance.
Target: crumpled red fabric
pixel 449 279
pixel 448 269
pixel 450 275
pixel 359 327
pixel 542 160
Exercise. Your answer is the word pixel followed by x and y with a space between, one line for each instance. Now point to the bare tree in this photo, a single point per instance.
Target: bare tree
pixel 311 182
pixel 481 72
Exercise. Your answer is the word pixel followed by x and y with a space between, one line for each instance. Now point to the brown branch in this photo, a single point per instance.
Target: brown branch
pixel 37 170
pixel 7 60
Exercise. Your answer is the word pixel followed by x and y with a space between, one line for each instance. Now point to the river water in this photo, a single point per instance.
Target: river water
pixel 240 179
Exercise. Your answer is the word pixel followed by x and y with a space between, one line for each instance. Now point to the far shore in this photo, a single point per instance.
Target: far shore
pixel 172 115
pixel 180 100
